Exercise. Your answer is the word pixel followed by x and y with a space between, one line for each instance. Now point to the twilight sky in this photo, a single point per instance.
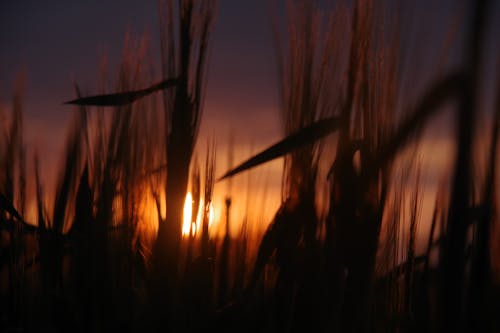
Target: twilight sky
pixel 57 42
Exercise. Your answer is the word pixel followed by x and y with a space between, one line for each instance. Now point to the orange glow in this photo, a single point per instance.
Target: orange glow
pixel 193 229
pixel 199 218
pixel 210 215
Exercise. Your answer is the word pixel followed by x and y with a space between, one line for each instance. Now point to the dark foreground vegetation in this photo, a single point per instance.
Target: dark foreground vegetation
pixel 89 263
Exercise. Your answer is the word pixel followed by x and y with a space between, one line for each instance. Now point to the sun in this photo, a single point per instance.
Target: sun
pixel 188 214
pixel 191 225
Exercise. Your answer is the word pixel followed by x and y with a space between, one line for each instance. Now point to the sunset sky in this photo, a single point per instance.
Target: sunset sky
pixel 55 43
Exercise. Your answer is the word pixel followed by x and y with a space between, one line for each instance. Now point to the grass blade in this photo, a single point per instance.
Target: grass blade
pixel 307 135
pixel 123 98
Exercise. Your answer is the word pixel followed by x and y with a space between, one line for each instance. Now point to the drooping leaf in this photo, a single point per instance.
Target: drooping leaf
pixel 124 98
pixel 307 135
pixel 436 96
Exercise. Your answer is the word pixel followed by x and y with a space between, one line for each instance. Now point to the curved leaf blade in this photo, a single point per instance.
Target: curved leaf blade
pixel 124 98
pixel 307 135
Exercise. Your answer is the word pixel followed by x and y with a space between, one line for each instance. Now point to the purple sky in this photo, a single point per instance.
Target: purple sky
pixel 58 42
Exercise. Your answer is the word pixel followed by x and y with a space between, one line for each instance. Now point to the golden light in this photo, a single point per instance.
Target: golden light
pixel 191 225
pixel 188 214
pixel 193 229
pixel 199 218
pixel 210 215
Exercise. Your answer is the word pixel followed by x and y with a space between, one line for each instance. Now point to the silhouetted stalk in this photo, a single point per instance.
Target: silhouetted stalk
pixel 11 159
pixel 183 56
pixel 208 193
pixel 52 242
pixel 478 300
pixel 395 294
pixel 411 253
pixel 223 288
pixel 42 234
pixel 304 68
pixel 241 251
pixel 81 237
pixel 199 271
pixel 195 204
pixel 454 251
pixel 356 208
